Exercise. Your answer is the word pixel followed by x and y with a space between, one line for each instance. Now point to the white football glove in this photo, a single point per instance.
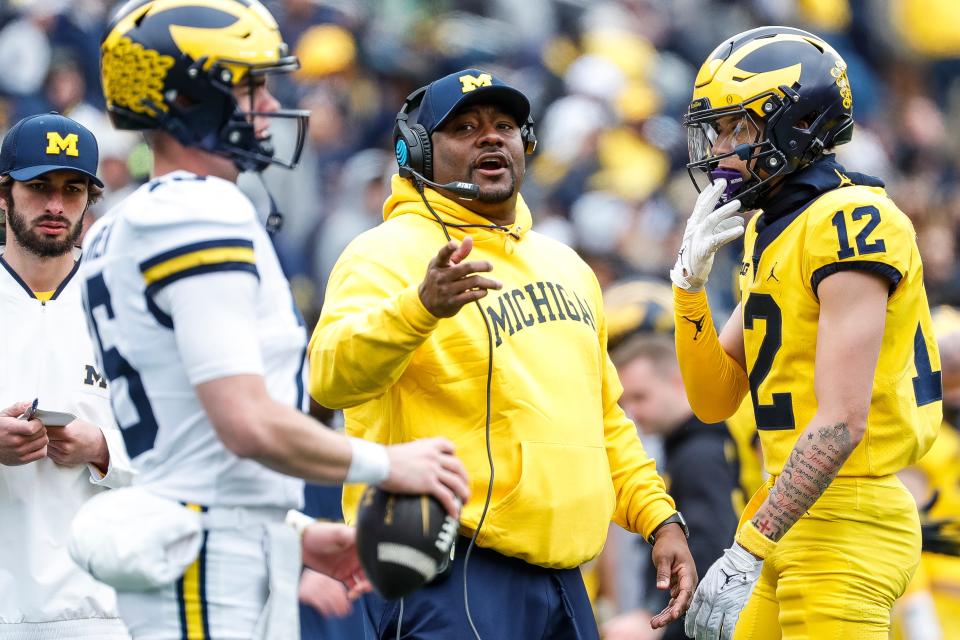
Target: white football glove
pixel 707 230
pixel 722 594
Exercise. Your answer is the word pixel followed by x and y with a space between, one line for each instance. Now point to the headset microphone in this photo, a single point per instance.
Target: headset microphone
pixel 463 190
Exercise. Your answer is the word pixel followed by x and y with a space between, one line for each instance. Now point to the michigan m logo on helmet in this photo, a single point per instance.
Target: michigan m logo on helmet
pixel 790 89
pixel 173 65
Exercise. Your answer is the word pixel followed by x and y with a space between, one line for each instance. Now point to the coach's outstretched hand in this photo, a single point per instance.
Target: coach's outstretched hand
pixel 429 466
pixel 676 571
pixel 450 282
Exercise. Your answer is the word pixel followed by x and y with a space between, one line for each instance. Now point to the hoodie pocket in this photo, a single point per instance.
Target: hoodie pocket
pixel 558 513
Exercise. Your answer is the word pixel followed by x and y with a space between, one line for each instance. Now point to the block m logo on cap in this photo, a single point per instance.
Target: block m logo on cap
pixel 56 143
pixel 470 82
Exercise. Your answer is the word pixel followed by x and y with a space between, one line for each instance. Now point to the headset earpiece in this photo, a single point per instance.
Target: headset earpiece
pixel 426 151
pixel 528 136
pixel 412 144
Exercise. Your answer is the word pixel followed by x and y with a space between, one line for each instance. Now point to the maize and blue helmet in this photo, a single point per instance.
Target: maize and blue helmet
pixel 172 65
pixel 790 92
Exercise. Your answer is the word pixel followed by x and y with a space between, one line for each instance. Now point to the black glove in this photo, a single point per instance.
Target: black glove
pixel 941 536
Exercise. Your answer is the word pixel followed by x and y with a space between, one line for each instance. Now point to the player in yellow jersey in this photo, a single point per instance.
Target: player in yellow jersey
pixel 833 341
pixel 930 610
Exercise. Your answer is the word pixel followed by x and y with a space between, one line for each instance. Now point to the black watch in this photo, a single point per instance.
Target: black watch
pixel 676 518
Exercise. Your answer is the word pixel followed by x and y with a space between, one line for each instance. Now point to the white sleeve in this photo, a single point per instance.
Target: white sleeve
pixel 119 470
pixel 215 324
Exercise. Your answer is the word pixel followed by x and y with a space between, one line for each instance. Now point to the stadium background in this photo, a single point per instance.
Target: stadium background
pixel 608 80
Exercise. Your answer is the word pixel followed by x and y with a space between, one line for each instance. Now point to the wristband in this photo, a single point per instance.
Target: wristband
pixel 750 538
pixel 370 463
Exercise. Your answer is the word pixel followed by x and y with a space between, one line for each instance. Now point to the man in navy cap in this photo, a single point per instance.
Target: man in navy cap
pixel 59 445
pixel 505 354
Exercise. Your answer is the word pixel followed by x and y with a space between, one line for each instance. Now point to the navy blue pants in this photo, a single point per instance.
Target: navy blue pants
pixel 509 600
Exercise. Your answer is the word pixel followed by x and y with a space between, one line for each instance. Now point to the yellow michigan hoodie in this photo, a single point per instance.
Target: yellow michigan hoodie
pixel 567 460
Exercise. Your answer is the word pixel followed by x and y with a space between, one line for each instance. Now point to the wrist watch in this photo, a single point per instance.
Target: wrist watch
pixel 676 518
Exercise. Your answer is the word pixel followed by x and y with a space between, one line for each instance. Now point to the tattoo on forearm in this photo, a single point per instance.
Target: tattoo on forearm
pixel 813 464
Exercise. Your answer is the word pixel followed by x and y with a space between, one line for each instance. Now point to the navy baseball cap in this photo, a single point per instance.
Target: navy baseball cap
pixel 48 142
pixel 444 96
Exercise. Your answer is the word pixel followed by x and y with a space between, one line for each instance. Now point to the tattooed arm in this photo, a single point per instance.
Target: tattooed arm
pixel 849 335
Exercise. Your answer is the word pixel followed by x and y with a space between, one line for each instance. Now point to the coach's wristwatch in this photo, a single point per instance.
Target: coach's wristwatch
pixel 676 518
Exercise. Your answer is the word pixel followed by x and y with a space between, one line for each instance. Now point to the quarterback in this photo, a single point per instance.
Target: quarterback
pixel 197 330
pixel 832 340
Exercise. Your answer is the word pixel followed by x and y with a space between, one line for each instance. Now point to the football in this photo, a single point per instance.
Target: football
pixel 403 541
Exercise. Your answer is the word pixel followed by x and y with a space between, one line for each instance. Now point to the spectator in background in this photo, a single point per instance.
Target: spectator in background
pixel 65 90
pixel 363 187
pixel 25 50
pixel 699 465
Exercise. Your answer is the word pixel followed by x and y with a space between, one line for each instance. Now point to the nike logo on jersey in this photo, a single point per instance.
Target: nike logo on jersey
pixel 698 323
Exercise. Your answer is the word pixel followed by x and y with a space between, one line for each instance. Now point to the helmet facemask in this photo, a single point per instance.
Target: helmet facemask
pixel 238 137
pixel 739 132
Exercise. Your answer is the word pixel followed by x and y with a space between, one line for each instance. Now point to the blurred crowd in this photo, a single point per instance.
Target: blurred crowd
pixel 609 81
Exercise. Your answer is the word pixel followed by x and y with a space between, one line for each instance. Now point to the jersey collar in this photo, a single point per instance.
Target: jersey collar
pixel 23 285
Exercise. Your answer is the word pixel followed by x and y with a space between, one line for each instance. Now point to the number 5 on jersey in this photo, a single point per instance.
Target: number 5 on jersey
pixel 140 433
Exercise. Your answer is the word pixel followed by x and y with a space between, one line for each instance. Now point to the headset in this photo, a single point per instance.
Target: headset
pixel 414 150
pixel 414 154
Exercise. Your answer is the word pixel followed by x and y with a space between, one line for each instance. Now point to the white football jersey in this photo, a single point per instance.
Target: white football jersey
pixel 176 227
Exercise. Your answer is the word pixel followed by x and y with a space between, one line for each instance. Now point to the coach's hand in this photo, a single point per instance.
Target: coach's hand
pixel 707 230
pixel 429 466
pixel 676 571
pixel 451 283
pixel 722 595
pixel 21 441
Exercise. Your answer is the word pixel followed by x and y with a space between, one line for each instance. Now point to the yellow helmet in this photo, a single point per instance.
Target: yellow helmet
pixel 637 306
pixel 172 65
pixel 790 92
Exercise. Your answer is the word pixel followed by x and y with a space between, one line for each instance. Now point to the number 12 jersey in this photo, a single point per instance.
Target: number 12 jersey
pixel 852 227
